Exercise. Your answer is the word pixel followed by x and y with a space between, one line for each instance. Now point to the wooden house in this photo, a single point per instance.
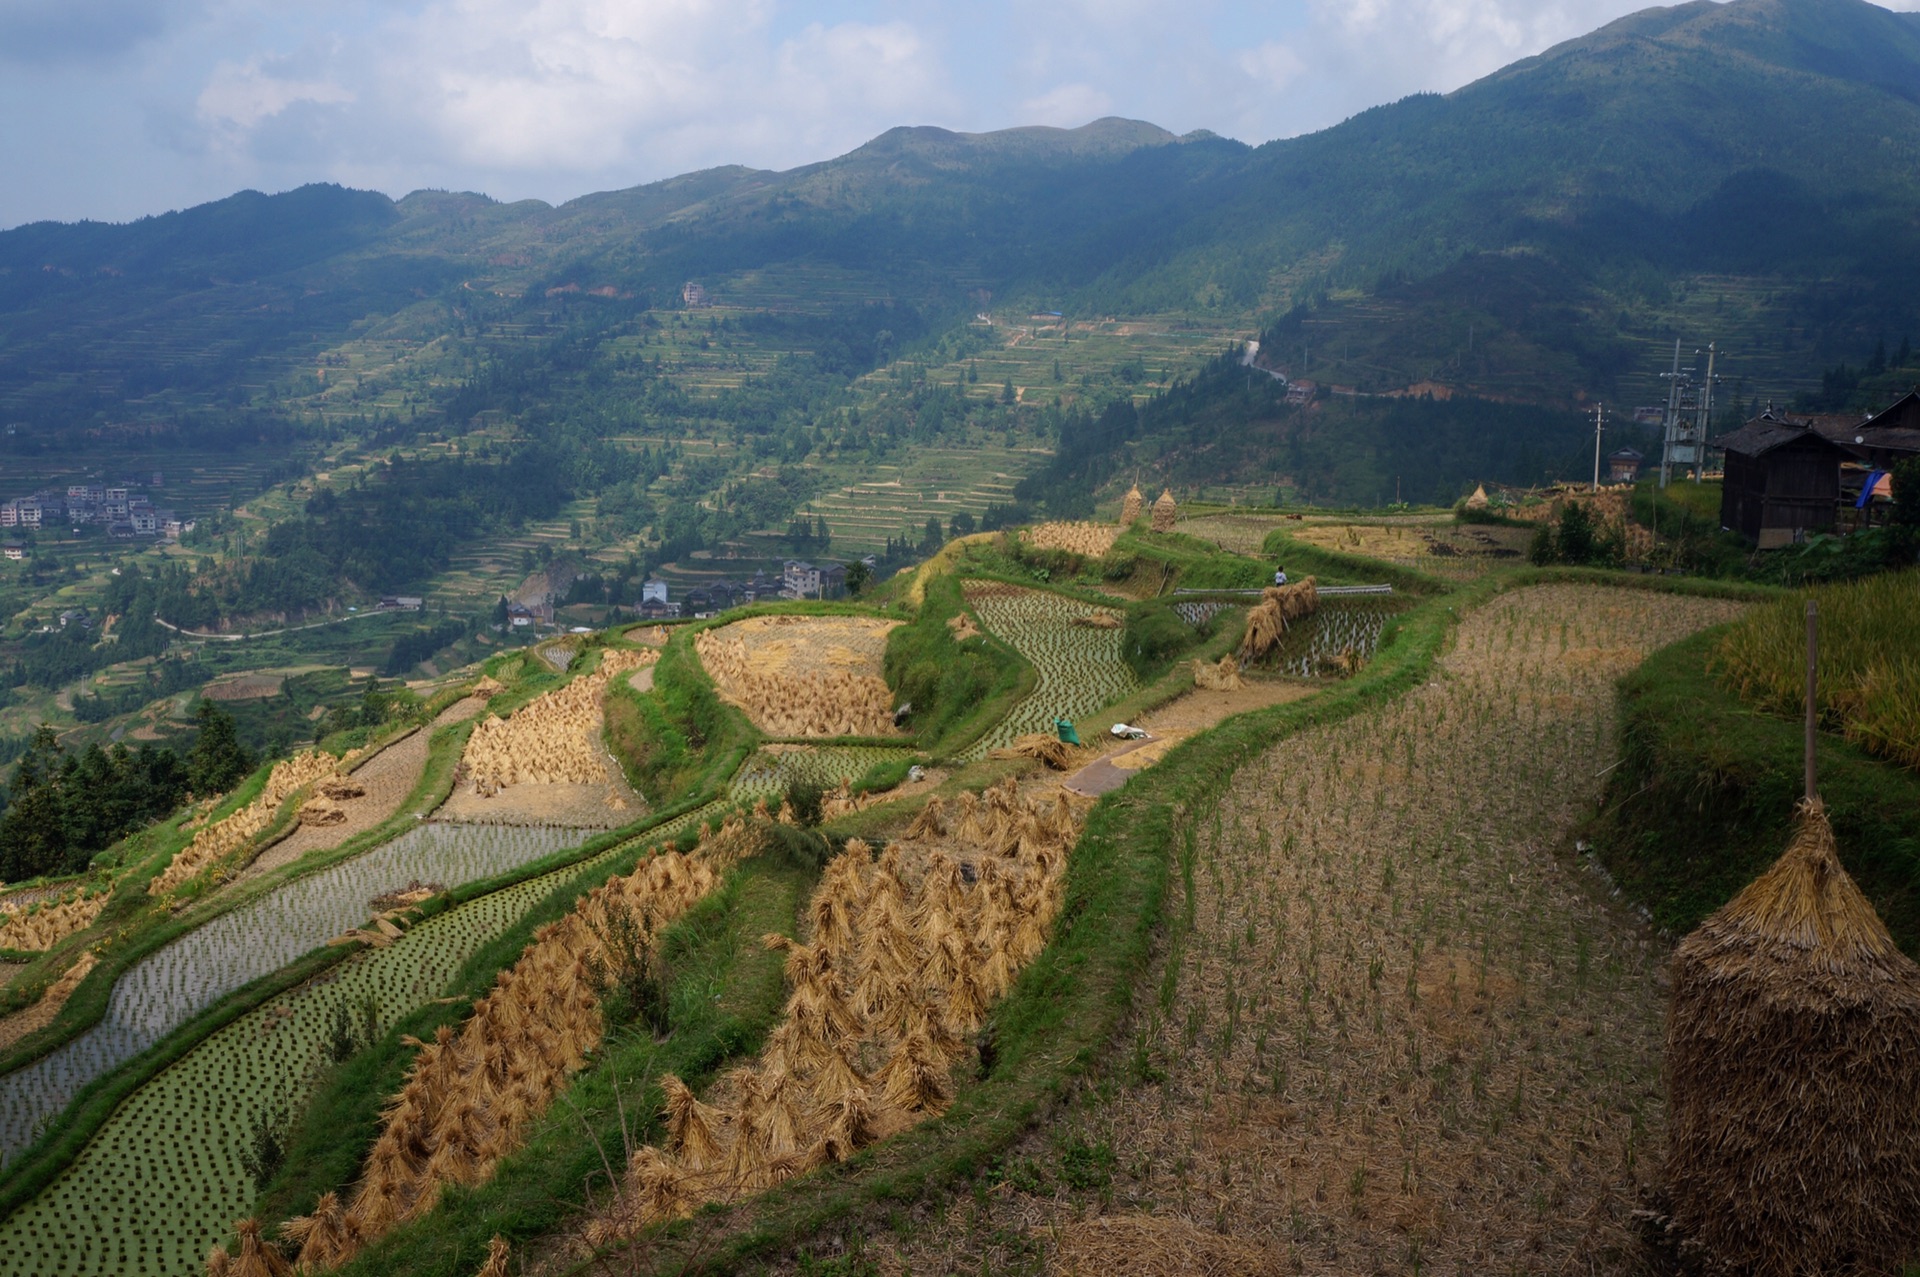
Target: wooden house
pixel 1782 481
pixel 1891 435
pixel 1623 465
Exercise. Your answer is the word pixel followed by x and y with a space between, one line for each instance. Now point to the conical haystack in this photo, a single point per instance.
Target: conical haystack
pixel 326 1238
pixel 1793 1060
pixel 1164 512
pixel 257 1258
pixel 1131 506
pixel 1478 501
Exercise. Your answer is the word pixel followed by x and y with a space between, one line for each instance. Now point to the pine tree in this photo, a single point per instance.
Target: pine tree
pixel 217 760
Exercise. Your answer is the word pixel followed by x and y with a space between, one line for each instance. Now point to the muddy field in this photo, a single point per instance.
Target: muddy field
pixel 388 777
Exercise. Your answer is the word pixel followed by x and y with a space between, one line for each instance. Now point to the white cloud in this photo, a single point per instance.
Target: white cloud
pixel 239 98
pixel 1271 65
pixel 1067 106
pixel 565 92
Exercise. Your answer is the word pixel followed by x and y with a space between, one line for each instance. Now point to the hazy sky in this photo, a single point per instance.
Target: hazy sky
pixel 112 109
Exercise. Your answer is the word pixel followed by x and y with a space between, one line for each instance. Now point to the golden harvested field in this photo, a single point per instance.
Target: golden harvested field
pixel 803 675
pixel 45 923
pixel 904 958
pixel 1093 539
pixel 1455 551
pixel 546 764
pixel 38 1016
pixel 236 833
pixel 1401 1031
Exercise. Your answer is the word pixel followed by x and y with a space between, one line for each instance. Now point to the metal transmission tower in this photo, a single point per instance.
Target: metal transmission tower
pixel 1689 409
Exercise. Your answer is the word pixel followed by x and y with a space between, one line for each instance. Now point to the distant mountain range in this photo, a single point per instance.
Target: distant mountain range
pixel 1747 172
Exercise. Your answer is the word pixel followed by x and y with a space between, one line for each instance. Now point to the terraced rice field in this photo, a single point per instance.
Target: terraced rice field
pixel 163 1181
pixel 169 987
pixel 1079 667
pixel 943 482
pixel 1342 625
pixel 1457 552
pixel 768 773
pixel 1397 1032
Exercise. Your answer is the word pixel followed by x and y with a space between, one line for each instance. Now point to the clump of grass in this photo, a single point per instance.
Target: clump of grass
pixel 1869 668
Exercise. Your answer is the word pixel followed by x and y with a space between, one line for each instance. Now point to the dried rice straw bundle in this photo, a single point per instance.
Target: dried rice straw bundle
pixel 498 1253
pixel 692 1127
pixel 1049 749
pixel 1223 677
pixel 931 822
pixel 326 1238
pixel 256 1257
pixel 1132 505
pixel 846 1123
pixel 1793 1062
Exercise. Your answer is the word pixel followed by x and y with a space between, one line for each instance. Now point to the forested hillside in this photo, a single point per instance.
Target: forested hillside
pixel 355 397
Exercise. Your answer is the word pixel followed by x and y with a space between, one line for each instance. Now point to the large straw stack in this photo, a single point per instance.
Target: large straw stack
pixel 237 831
pixel 1165 513
pixel 554 739
pixel 1279 607
pixel 883 995
pixel 471 1095
pixel 1131 506
pixel 1793 1061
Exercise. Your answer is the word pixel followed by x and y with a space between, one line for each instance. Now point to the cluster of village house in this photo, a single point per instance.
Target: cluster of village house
pixel 798 579
pixel 1788 475
pixel 125 509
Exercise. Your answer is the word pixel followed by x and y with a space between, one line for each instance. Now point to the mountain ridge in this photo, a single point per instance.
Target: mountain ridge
pixel 1772 139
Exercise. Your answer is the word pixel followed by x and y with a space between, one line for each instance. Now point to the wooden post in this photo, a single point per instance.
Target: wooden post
pixel 1813 656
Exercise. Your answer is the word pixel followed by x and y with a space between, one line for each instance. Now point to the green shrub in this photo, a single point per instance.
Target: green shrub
pixel 951 685
pixel 1154 637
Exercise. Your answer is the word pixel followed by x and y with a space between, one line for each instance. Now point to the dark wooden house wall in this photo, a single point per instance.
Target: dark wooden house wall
pixel 1794 487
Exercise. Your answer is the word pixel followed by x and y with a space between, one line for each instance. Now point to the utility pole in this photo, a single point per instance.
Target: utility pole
pixel 1689 403
pixel 1599 415
pixel 1705 422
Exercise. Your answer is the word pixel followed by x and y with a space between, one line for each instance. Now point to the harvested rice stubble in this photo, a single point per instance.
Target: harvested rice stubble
pixel 1400 1026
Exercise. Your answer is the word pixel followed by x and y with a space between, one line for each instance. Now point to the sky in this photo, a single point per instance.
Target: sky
pixel 113 109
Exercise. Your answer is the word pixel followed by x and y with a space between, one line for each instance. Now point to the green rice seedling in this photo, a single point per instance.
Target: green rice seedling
pixel 165 1177
pixel 1080 667
pixel 169 987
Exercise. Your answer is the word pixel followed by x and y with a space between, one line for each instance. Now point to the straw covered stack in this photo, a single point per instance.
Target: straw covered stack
pixel 1132 506
pixel 553 739
pixel 1793 1061
pixel 238 830
pixel 1279 607
pixel 1165 514
pixel 473 1093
